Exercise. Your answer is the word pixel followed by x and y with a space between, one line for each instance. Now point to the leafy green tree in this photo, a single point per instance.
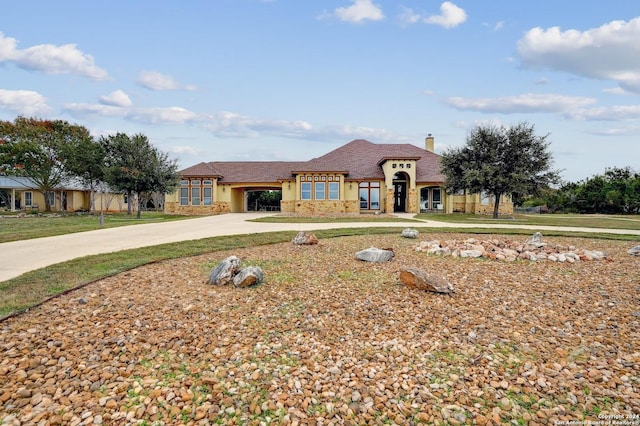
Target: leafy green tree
pixel 498 161
pixel 36 148
pixel 85 160
pixel 134 166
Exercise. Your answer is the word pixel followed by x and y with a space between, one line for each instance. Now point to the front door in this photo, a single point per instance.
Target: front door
pixel 400 197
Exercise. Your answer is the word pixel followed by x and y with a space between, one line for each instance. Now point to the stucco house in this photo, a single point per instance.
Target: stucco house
pixel 357 178
pixel 21 193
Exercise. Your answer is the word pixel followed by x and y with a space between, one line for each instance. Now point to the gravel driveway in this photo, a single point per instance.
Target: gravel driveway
pixel 327 339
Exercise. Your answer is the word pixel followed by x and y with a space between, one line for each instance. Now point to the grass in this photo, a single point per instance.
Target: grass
pixel 13 228
pixel 582 221
pixel 331 219
pixel 37 286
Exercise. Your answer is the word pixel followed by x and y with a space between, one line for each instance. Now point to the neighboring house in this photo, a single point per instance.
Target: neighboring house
pixel 21 193
pixel 359 177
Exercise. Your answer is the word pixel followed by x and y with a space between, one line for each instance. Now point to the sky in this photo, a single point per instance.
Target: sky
pixel 290 80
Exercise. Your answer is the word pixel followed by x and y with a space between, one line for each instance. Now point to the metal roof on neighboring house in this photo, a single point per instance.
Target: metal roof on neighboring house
pixel 21 182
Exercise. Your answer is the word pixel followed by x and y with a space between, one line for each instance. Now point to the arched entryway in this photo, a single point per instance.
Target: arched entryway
pixel 400 186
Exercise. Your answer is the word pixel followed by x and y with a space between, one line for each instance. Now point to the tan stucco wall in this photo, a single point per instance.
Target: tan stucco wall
pixel 76 201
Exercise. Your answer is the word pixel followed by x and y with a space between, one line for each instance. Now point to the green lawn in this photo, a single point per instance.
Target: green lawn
pixel 14 228
pixel 582 221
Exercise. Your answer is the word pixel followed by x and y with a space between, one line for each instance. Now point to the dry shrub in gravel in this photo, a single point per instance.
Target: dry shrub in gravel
pixel 328 339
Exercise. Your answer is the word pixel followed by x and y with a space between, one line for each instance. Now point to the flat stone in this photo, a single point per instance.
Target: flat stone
pixel 374 254
pixel 421 280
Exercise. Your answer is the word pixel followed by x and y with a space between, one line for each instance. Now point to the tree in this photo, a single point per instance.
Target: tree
pixel 85 160
pixel 35 148
pixel 498 161
pixel 134 166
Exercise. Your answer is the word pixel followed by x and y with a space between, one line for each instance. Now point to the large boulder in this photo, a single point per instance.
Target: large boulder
pixel 224 272
pixel 410 233
pixel 420 280
pixel 305 239
pixel 251 275
pixel 374 254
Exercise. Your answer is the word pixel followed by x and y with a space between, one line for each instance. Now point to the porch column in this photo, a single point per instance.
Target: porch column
pixel 13 199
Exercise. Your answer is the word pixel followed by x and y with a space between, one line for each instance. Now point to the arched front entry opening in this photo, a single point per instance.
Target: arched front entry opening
pixel 400 186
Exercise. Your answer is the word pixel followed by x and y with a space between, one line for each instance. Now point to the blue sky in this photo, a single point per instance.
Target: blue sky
pixel 216 80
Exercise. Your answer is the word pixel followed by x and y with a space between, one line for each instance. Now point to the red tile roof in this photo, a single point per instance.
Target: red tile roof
pixel 359 160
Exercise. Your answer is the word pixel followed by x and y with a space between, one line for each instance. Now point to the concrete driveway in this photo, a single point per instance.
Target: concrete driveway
pixel 19 257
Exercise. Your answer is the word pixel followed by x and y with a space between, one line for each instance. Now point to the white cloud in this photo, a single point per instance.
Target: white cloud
pixel 156 81
pixel 24 102
pixel 117 98
pixel 83 109
pixel 408 17
pixel 616 91
pixel 617 131
pixel 226 124
pixel 530 102
pixel 359 11
pixel 169 115
pixel 609 52
pixel 615 113
pixel 50 59
pixel 182 149
pixel 450 16
pixel 494 27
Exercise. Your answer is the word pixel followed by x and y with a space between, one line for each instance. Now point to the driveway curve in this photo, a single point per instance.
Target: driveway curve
pixel 23 256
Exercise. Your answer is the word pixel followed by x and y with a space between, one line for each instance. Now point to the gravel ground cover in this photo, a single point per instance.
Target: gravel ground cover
pixel 329 340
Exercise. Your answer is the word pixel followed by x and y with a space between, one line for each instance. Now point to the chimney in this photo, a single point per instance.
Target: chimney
pixel 429 143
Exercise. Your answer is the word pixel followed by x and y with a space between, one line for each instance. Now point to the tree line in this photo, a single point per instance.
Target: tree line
pixel 617 191
pixel 53 153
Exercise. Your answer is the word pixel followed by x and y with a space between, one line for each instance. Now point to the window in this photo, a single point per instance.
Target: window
pixel 195 196
pixel 484 199
pixel 184 196
pixel 28 199
pixel 370 195
pixel 184 192
pixel 437 199
pixel 305 190
pixel 207 192
pixel 334 190
pixel 320 190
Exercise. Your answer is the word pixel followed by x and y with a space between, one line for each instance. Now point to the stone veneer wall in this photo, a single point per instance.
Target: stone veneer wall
pixel 314 207
pixel 487 209
pixel 412 202
pixel 218 207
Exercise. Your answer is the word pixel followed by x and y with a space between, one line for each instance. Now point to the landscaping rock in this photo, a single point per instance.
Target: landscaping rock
pixel 251 275
pixel 508 251
pixel 374 254
pixel 410 233
pixel 224 272
pixel 634 251
pixel 305 239
pixel 421 280
pixel 536 240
